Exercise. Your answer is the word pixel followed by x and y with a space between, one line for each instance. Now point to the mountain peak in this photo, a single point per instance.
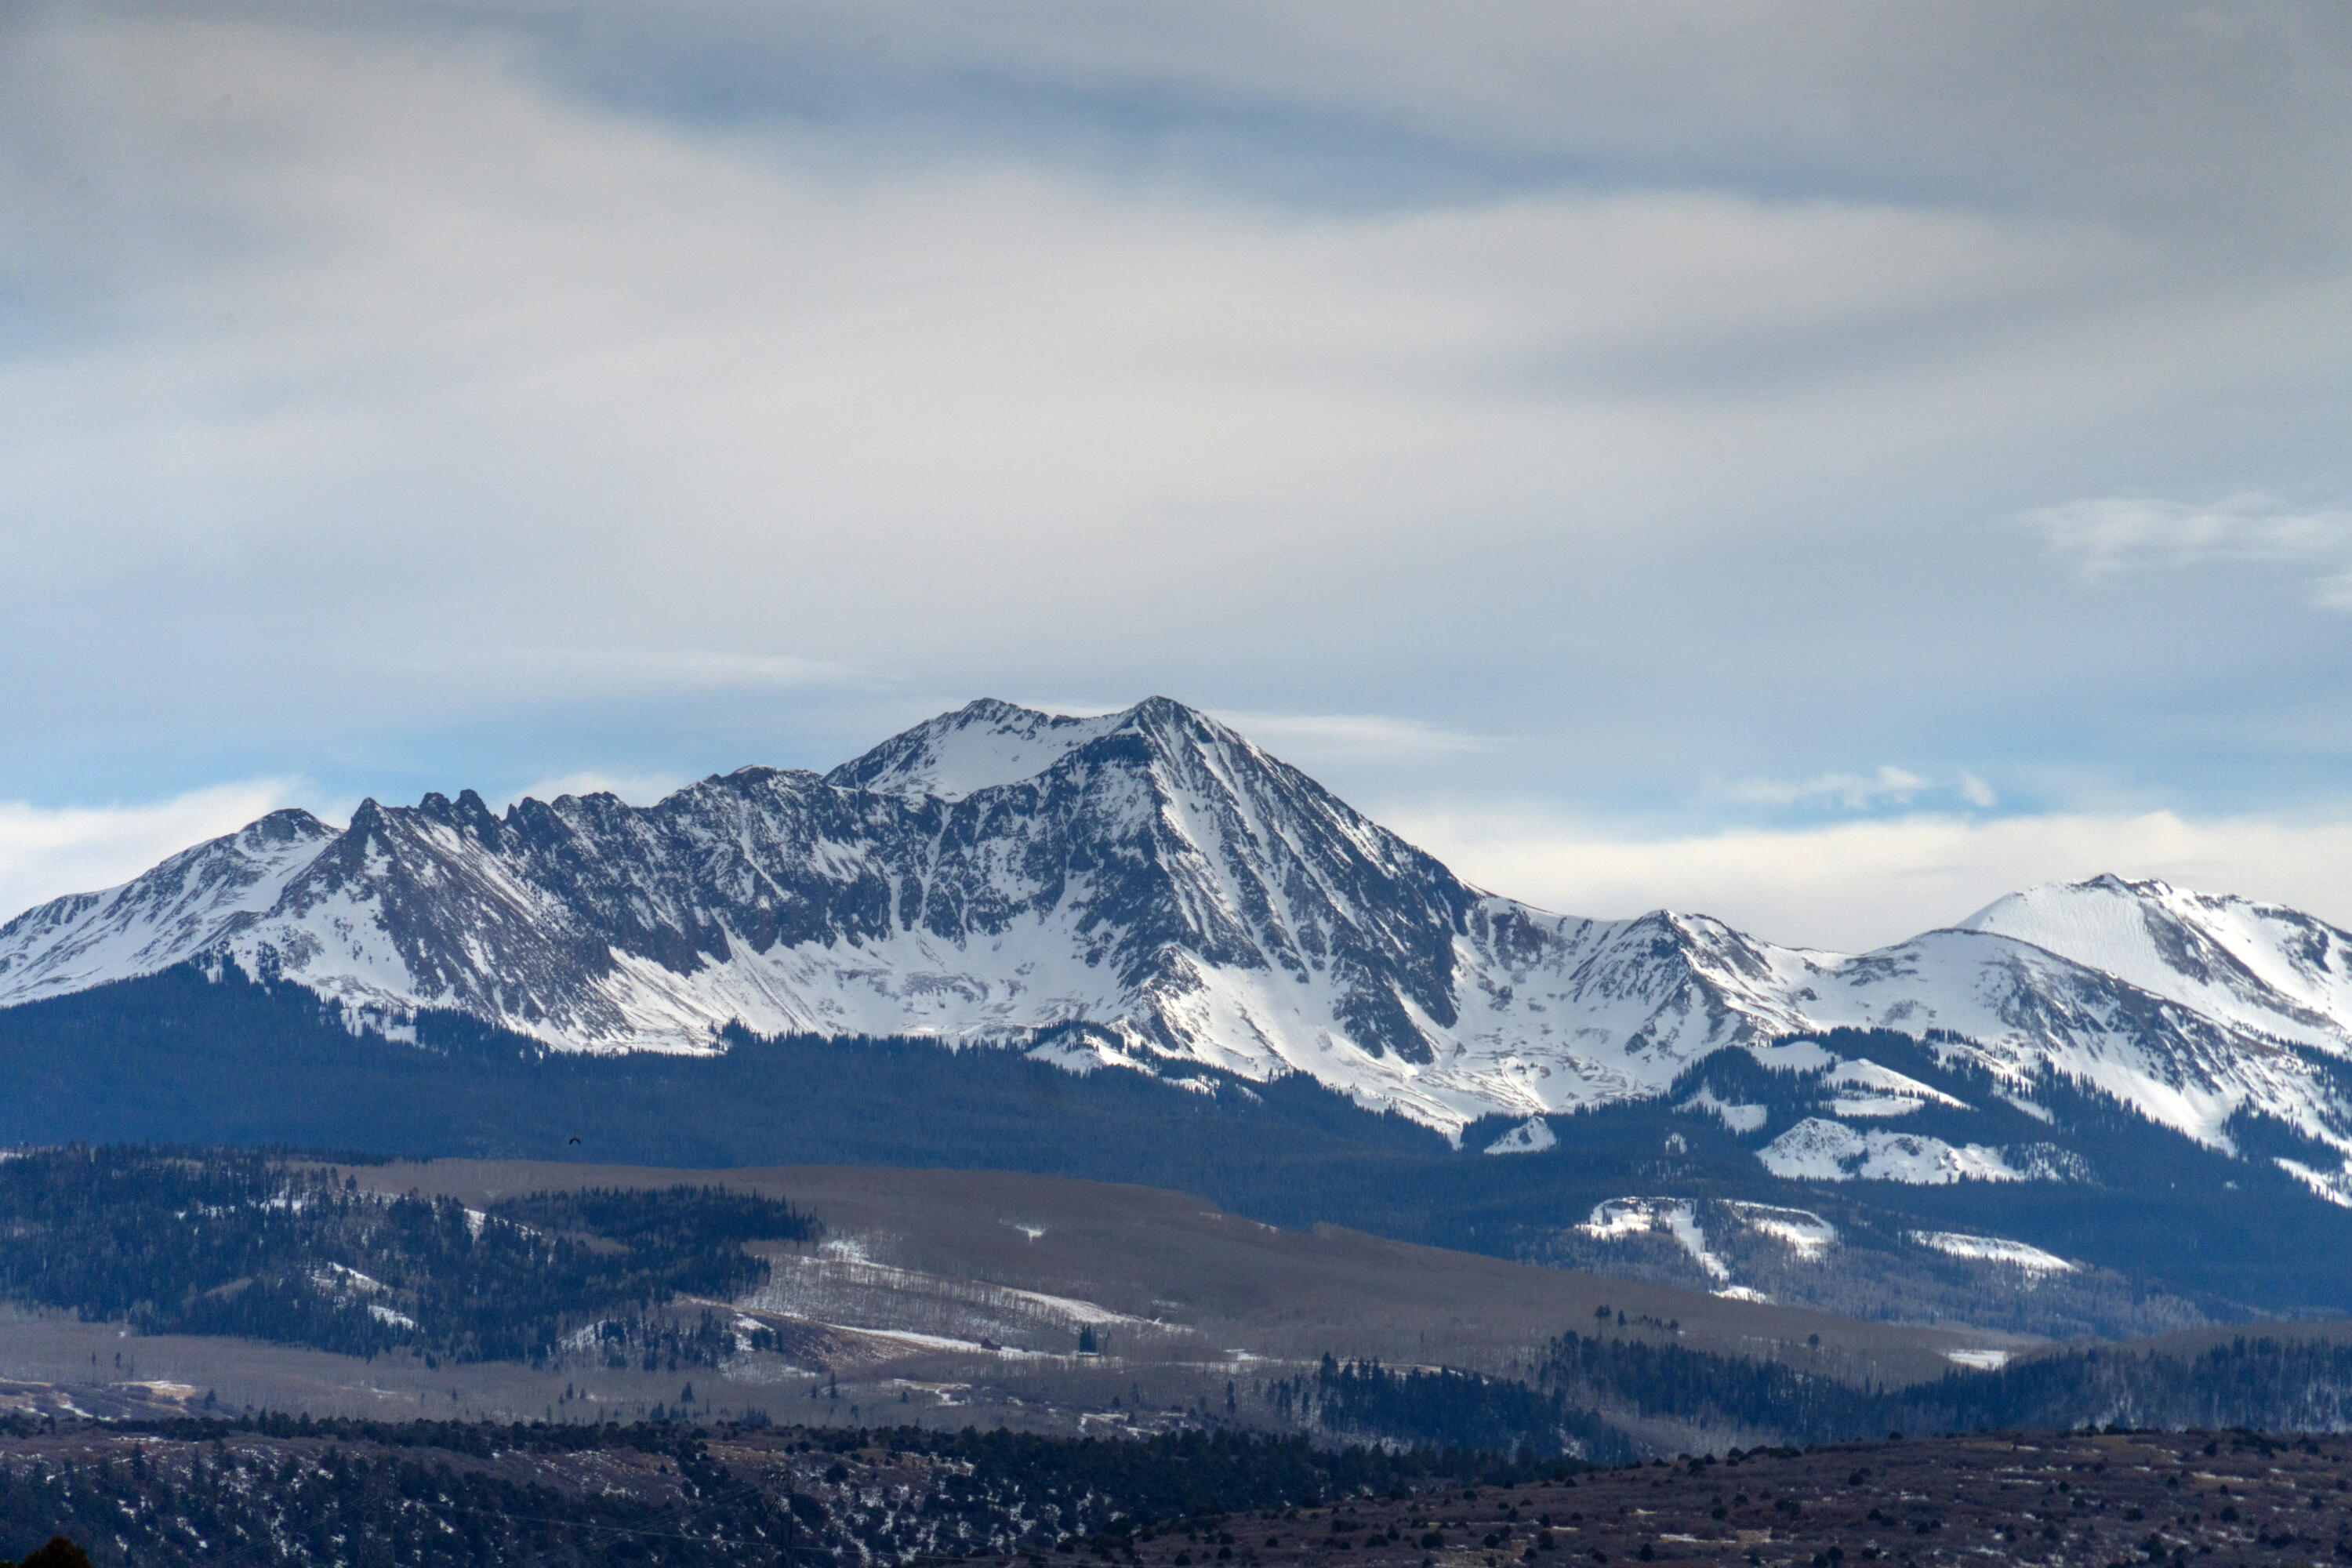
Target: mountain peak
pixel 2272 971
pixel 2037 905
pixel 2093 922
pixel 1166 713
pixel 990 741
pixel 289 824
pixel 2108 882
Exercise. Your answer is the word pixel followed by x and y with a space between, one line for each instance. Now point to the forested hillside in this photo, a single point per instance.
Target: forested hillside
pixel 1588 1389
pixel 211 1242
pixel 176 1057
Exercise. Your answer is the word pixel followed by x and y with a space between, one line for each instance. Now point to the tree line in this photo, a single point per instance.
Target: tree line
pixel 1588 1388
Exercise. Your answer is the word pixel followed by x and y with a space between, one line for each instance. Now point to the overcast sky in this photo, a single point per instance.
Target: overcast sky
pixel 1820 464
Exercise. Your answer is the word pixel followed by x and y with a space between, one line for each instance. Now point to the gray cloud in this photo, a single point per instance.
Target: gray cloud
pixel 1644 391
pixel 1854 886
pixel 1888 784
pixel 2121 533
pixel 1312 740
pixel 45 853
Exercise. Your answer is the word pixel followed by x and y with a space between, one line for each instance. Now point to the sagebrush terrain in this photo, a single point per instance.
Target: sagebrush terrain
pixel 282 1493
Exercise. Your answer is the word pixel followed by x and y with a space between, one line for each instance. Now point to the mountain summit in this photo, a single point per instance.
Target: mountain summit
pixel 1148 888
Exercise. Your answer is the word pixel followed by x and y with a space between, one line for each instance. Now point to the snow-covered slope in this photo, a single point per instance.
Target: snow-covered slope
pixel 2259 967
pixel 189 904
pixel 2021 1009
pixel 986 743
pixel 1150 887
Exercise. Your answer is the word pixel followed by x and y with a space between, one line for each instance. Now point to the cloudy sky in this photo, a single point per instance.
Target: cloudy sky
pixel 1823 465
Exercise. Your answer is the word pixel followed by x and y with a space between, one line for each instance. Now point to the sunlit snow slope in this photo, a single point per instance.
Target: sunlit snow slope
pixel 1147 887
pixel 2267 970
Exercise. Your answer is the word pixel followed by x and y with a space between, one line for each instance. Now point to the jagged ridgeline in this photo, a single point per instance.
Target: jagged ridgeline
pixel 225 1243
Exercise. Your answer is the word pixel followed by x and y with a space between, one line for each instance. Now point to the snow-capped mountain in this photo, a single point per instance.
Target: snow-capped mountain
pixel 2271 971
pixel 1150 887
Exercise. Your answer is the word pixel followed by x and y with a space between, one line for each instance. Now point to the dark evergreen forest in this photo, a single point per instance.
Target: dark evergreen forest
pixel 1444 1409
pixel 214 1242
pixel 276 1491
pixel 1587 1383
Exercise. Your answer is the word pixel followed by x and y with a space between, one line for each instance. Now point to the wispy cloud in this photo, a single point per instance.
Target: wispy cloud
pixel 46 852
pixel 2120 533
pixel 1858 885
pixel 1887 787
pixel 638 382
pixel 1856 792
pixel 1619 391
pixel 630 672
pixel 1372 737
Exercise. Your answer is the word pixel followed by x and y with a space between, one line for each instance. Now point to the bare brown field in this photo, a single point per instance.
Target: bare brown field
pixel 954 1298
pixel 1151 1255
pixel 52 1363
pixel 1183 1298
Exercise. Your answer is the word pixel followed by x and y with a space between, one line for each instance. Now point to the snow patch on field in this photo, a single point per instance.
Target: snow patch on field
pixel 1734 1116
pixel 1819 1151
pixel 1532 1136
pixel 921 1342
pixel 1862 1073
pixel 1875 1105
pixel 843 1287
pixel 1620 1217
pixel 1678 1219
pixel 1993 1250
pixel 1806 1232
pixel 1683 1221
pixel 338 1277
pixel 587 1336
pixel 2336 1186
